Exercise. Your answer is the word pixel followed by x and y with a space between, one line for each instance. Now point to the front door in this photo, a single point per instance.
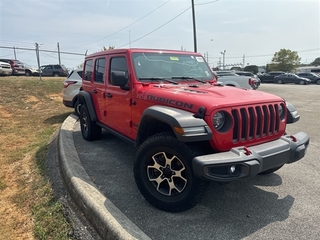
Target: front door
pixel 118 101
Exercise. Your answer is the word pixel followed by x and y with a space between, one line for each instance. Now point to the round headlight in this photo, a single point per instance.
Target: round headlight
pixel 281 111
pixel 218 120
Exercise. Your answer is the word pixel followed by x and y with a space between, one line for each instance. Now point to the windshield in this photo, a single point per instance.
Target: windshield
pixel 180 67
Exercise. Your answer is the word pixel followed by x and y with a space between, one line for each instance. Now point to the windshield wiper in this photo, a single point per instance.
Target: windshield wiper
pixel 182 77
pixel 158 79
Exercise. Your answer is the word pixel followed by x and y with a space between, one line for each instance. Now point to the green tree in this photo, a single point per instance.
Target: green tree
pixel 284 60
pixel 110 47
pixel 316 62
pixel 251 68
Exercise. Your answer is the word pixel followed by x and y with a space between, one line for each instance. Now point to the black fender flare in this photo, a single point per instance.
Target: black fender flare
pixel 178 119
pixel 292 114
pixel 85 98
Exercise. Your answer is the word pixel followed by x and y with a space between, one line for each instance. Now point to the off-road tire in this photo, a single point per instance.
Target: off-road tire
pixel 89 129
pixel 164 176
pixel 271 170
pixel 77 107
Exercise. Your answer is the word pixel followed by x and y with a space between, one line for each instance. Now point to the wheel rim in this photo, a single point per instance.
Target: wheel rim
pixel 301 82
pixel 85 122
pixel 167 173
pixel 279 81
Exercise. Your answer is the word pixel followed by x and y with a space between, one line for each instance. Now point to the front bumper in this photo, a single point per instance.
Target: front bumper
pixel 242 162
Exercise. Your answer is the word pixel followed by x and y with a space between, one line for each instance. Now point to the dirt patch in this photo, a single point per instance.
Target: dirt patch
pixel 26 106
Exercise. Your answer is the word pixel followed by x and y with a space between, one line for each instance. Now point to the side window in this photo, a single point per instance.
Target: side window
pixel 99 70
pixel 88 70
pixel 118 64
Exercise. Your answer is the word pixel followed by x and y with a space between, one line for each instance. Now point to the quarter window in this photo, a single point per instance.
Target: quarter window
pixel 88 70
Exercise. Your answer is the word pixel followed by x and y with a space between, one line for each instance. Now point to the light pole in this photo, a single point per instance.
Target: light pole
pixel 194 27
pixel 224 58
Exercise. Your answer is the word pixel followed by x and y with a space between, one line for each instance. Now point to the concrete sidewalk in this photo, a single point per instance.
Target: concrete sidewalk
pixel 104 216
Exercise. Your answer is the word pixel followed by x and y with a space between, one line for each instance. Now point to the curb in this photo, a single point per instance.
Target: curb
pixel 104 216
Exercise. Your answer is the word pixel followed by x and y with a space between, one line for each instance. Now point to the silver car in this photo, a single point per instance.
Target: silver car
pixel 72 85
pixel 5 69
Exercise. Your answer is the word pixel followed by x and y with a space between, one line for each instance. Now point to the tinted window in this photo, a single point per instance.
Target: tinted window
pixel 57 67
pixel 118 64
pixel 99 70
pixel 88 70
pixel 80 73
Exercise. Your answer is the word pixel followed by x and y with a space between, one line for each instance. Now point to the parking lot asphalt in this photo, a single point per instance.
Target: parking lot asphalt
pixel 282 205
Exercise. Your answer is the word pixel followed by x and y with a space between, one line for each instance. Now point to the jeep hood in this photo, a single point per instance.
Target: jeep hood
pixel 191 97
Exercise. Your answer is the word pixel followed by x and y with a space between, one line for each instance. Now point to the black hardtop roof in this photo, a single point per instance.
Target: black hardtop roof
pixel 131 50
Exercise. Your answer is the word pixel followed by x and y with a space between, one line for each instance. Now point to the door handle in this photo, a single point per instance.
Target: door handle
pixel 94 91
pixel 108 95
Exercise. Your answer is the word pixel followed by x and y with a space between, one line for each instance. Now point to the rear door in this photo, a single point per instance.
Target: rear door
pixel 94 83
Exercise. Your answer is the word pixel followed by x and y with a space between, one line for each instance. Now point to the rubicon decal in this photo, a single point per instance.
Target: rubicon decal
pixel 170 102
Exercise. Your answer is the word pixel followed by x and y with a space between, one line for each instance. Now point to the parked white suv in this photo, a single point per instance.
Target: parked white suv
pixel 72 85
pixel 5 69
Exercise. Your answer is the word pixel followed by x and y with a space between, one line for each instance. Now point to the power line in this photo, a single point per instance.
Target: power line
pixel 156 28
pixel 127 25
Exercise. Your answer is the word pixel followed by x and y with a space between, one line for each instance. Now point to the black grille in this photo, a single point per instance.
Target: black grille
pixel 255 122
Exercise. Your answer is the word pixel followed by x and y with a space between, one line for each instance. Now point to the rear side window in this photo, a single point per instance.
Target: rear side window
pixel 88 70
pixel 99 70
pixel 57 66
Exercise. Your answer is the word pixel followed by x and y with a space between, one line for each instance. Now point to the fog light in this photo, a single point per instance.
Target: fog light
pixel 232 169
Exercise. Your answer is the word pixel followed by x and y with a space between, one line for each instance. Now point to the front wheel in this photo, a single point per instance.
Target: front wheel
pixel 318 82
pixel 164 176
pixel 89 129
pixel 279 81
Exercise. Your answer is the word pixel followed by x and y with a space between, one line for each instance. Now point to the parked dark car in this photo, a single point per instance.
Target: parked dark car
pixel 55 70
pixel 16 65
pixel 269 77
pixel 315 78
pixel 291 78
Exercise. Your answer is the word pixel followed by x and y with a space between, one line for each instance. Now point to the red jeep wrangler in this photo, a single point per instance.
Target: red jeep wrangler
pixel 188 129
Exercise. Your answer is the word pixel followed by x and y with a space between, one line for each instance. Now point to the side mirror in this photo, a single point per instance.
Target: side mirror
pixel 119 78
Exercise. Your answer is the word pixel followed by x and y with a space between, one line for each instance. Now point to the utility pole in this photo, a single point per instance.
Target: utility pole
pixel 38 58
pixel 14 51
pixel 244 60
pixel 224 58
pixel 194 27
pixel 59 53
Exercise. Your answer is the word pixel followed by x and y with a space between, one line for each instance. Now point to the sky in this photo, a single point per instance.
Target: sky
pixel 243 31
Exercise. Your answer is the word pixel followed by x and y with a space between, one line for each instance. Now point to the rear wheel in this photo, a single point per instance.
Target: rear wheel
pixel 279 81
pixel 56 74
pixel 77 106
pixel 164 176
pixel 89 129
pixel 318 82
pixel 302 82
